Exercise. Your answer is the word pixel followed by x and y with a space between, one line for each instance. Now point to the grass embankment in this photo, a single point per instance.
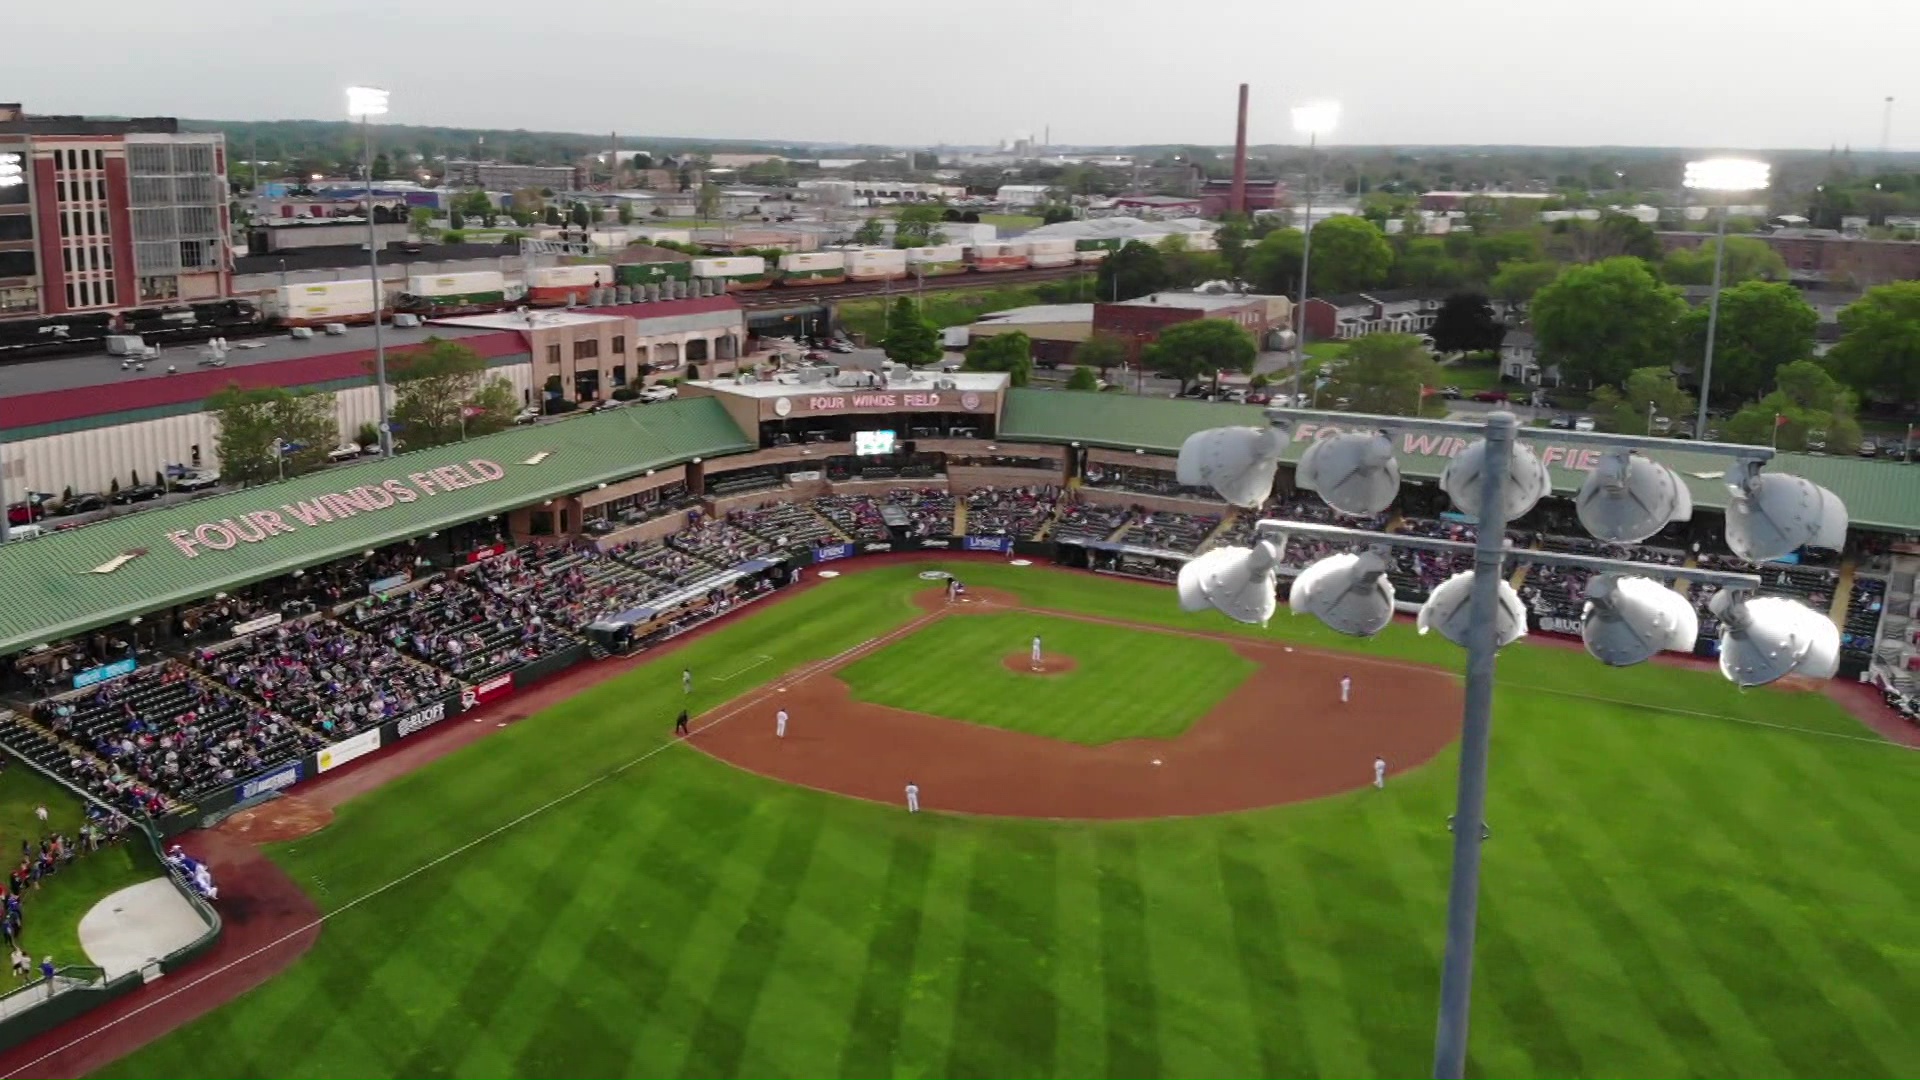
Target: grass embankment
pixel 1673 887
pixel 51 914
pixel 960 307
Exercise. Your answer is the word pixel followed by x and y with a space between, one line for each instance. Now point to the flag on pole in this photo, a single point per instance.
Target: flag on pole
pixel 468 412
pixel 1779 420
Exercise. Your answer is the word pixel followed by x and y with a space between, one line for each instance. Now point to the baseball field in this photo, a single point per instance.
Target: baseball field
pixel 1682 878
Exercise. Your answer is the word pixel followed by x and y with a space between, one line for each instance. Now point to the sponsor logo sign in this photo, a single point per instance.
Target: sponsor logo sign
pixel 936 542
pixel 830 552
pixel 1556 624
pixel 492 690
pixel 254 626
pixel 415 723
pixel 259 526
pixel 870 549
pixel 105 672
pixel 486 553
pixel 388 584
pixel 990 543
pixel 352 749
pixel 277 780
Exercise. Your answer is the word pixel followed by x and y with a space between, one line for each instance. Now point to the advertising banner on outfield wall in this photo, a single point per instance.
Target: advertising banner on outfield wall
pixel 278 780
pixel 254 626
pixel 104 672
pixel 1001 544
pixel 830 552
pixel 415 722
pixel 492 690
pixel 359 746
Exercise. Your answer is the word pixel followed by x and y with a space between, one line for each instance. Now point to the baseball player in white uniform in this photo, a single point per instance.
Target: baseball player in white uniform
pixel 1379 772
pixel 780 724
pixel 1346 688
pixel 1036 652
pixel 686 680
pixel 913 797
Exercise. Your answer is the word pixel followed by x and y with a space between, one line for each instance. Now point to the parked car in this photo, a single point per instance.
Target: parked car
pixel 196 480
pixel 839 347
pixel 1451 393
pixel 346 451
pixel 1660 425
pixel 82 502
pixel 1561 423
pixel 1491 395
pixel 608 404
pixel 527 415
pixel 24 513
pixel 1259 397
pixel 137 493
pixel 1583 423
pixel 659 393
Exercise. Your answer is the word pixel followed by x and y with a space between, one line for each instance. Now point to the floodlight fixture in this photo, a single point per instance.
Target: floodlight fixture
pixel 1770 637
pixel 1772 515
pixel 1627 498
pixel 365 101
pixel 1238 462
pixel 1317 118
pixel 1355 472
pixel 1525 484
pixel 1727 174
pixel 1238 582
pixel 1449 610
pixel 1349 592
pixel 1630 619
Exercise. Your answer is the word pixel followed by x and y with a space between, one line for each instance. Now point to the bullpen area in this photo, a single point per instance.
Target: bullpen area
pixel 1682 878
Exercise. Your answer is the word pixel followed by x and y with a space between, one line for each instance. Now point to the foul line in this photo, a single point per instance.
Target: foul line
pixel 804 673
pixel 757 661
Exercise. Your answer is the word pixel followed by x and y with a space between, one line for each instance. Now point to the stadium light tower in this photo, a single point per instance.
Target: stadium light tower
pixel 1629 616
pixel 364 103
pixel 1726 175
pixel 1313 121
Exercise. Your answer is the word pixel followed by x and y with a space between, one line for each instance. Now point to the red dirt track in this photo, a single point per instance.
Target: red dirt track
pixel 1281 736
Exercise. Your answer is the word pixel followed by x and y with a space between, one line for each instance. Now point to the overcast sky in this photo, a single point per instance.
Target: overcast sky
pixel 1690 73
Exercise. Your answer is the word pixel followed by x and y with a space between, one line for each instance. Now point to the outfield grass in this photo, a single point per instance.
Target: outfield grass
pixel 50 914
pixel 1672 888
pixel 1125 685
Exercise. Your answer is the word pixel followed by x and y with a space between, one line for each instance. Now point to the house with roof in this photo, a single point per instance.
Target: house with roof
pixel 1520 361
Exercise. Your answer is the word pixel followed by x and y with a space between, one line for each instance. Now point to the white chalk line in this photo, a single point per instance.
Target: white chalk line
pixel 757 661
pixel 805 672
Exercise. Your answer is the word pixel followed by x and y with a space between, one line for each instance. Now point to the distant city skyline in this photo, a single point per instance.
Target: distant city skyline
pixel 1700 74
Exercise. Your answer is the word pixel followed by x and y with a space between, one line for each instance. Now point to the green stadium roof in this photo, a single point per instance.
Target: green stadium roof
pixel 1878 494
pixel 61 584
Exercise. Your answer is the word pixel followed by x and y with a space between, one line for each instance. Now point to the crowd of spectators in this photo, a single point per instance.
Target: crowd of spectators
pixel 718 543
pixel 655 559
pixel 1019 512
pixel 472 625
pixel 1080 522
pixel 1170 531
pixel 1143 481
pixel 929 511
pixel 785 524
pixel 326 676
pixel 858 516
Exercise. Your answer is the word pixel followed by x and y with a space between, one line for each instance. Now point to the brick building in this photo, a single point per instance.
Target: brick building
pixel 104 215
pixel 1825 258
pixel 1141 320
pixel 1217 195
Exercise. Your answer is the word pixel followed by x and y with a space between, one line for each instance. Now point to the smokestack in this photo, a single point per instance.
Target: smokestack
pixel 1237 201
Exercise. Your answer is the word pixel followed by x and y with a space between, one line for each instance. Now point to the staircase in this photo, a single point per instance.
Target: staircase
pixel 1842 593
pixel 1893 641
pixel 960 516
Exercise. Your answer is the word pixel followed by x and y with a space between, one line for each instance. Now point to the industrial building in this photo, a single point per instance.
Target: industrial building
pixel 104 215
pixel 501 176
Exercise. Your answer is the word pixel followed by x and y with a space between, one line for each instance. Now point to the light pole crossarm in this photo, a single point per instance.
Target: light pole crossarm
pixel 1274 528
pixel 1604 440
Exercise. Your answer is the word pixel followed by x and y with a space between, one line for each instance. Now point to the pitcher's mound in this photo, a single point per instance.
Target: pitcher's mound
pixel 975 600
pixel 1022 663
pixel 289 817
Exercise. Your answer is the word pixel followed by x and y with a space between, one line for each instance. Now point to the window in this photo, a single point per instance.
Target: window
pixel 619 373
pixel 620 344
pixel 553 354
pixel 66 259
pixel 586 350
pixel 71 301
pixel 18 264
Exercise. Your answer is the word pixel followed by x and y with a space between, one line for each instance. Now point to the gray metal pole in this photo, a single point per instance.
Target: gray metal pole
pixel 1306 255
pixel 1713 322
pixel 1463 894
pixel 373 268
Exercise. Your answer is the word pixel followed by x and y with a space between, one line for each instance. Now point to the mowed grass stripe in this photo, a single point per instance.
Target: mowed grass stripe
pixel 1689 883
pixel 1126 683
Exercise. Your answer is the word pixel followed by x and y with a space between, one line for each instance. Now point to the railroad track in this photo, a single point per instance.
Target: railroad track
pixel 781 296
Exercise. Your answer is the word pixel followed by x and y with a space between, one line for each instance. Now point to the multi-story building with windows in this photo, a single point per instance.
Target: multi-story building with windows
pixel 98 216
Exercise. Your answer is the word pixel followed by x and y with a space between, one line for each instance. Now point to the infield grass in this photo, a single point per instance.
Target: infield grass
pixel 1672 889
pixel 50 915
pixel 1125 684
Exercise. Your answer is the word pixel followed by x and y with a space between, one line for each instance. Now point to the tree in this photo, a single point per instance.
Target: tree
pixel 1612 236
pixel 1878 355
pixel 1135 270
pixel 1186 267
pixel 1385 373
pixel 870 233
pixel 1466 323
pixel 1764 326
pixel 1600 321
pixel 551 215
pixel 1231 241
pixel 1650 391
pixel 456 220
pixel 1054 213
pixel 1101 353
pixel 251 421
pixel 625 212
pixel 917 226
pixel 1011 353
pixel 420 220
pixel 1200 349
pixel 1517 282
pixel 1273 266
pixel 1491 251
pixel 1083 378
pixel 1349 254
pixel 708 201
pixel 1422 262
pixel 1807 398
pixel 910 338
pixel 578 215
pixel 382 167
pixel 1747 260
pixel 441 384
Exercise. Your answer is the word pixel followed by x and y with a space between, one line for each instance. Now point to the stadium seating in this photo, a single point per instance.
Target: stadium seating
pixel 463 624
pixel 325 676
pixel 1168 531
pixel 785 524
pixel 721 545
pixel 1019 512
pixel 856 515
pixel 1081 522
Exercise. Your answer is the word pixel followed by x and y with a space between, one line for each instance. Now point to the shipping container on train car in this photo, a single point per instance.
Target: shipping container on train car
pixel 738 272
pixel 453 294
pixel 1050 251
pixel 999 256
pixel 876 264
pixel 813 268
pixel 322 302
pixel 1200 240
pixel 937 260
pixel 554 286
pixel 1093 249
pixel 653 273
